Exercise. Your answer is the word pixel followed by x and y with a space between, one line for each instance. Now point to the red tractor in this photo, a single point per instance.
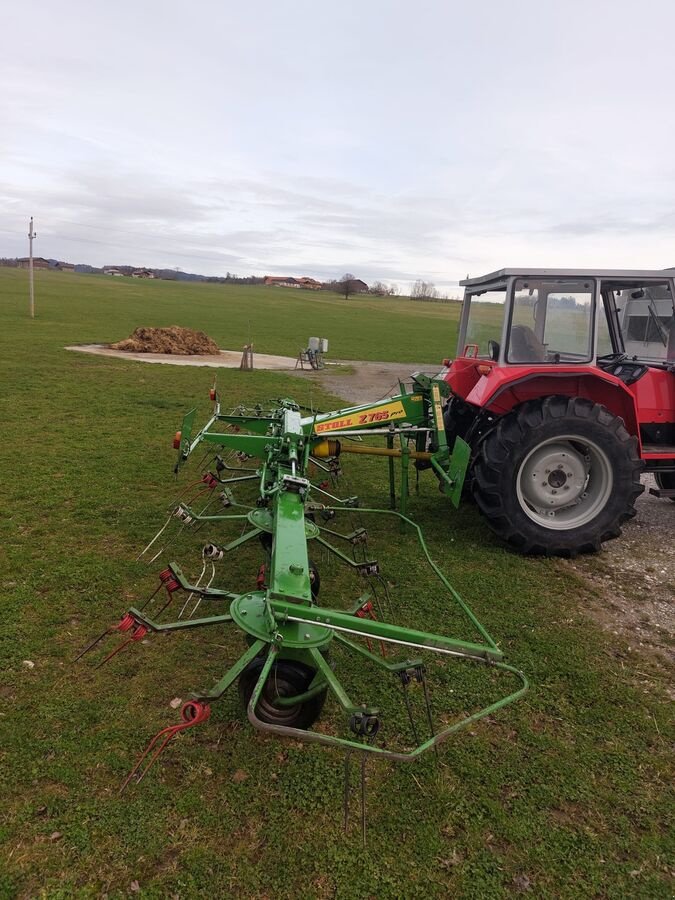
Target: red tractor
pixel 564 388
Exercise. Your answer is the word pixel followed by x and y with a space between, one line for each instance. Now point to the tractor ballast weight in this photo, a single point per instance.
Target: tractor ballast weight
pixel 564 389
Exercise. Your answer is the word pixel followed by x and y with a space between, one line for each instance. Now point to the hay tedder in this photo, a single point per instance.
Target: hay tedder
pixel 303 637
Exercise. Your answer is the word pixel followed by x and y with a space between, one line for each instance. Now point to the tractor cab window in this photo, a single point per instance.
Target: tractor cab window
pixel 485 322
pixel 647 317
pixel 551 322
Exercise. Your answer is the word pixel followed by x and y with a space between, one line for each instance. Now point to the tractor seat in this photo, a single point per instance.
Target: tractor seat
pixel 525 346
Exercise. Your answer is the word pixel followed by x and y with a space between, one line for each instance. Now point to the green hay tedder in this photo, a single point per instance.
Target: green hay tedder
pixel 303 641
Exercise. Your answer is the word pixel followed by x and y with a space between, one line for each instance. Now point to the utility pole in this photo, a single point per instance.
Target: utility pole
pixel 31 236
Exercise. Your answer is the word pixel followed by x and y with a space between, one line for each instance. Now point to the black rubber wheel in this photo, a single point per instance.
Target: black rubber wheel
pixel 314 579
pixel 666 481
pixel 286 679
pixel 558 476
pixel 458 417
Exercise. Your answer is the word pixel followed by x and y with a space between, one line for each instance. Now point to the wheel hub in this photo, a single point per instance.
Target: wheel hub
pixel 564 482
pixel 554 476
pixel 251 613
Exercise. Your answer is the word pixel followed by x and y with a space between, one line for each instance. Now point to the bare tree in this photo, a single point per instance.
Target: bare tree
pixel 423 290
pixel 380 289
pixel 346 284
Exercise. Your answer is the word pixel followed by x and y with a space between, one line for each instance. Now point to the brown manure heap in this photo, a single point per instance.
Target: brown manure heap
pixel 174 340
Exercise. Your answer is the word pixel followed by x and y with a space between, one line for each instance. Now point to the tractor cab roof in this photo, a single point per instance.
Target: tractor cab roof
pixel 498 277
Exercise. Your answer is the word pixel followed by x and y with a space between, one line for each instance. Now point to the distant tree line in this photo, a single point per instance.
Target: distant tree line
pixel 231 278
pixel 426 292
pixel 348 285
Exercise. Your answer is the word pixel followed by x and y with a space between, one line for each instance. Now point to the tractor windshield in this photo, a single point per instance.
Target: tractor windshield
pixel 551 322
pixel 484 325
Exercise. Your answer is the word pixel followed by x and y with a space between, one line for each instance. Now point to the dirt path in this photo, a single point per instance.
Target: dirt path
pixel 226 359
pixel 633 578
pixel 366 381
pixel 361 383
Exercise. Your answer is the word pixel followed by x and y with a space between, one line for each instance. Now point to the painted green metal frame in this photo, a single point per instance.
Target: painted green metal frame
pixel 284 621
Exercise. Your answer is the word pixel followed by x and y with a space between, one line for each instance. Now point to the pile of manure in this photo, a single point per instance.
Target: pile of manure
pixel 175 340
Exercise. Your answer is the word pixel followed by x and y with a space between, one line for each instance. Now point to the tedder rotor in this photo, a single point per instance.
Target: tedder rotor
pixel 295 646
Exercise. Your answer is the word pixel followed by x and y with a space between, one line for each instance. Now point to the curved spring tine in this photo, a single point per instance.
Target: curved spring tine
pixel 197 583
pixel 210 582
pixel 114 652
pixel 93 644
pixel 168 543
pixel 386 592
pixel 143 552
pixel 203 711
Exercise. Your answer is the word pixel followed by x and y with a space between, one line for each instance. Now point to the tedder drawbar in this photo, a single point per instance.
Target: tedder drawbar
pixel 291 663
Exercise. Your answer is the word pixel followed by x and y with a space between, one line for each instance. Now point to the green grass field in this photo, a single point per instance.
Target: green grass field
pixel 566 794
pixel 101 309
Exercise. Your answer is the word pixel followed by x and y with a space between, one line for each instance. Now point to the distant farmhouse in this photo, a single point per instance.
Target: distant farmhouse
pixel 287 281
pixel 39 262
pixel 112 270
pixel 356 286
pixel 143 273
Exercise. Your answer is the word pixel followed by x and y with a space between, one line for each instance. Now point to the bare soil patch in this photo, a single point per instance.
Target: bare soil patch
pixel 354 380
pixel 633 578
pixel 367 381
pixel 226 359
pixel 173 340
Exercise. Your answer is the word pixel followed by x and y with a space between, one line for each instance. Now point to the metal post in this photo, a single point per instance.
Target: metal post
pixel 31 236
pixel 405 469
pixel 392 484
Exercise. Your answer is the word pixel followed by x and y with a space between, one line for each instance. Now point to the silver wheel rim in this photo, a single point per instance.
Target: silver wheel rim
pixel 564 482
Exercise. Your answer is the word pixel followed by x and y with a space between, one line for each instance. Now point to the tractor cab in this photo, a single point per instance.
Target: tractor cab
pixel 558 318
pixel 564 360
pixel 528 320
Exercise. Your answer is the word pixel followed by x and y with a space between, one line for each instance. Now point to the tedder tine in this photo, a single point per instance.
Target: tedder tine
pixel 193 713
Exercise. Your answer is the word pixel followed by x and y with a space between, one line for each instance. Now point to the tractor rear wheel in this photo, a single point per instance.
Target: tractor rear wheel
pixel 287 678
pixel 666 481
pixel 558 476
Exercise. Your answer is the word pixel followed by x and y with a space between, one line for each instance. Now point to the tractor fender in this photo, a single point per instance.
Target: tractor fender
pixel 504 389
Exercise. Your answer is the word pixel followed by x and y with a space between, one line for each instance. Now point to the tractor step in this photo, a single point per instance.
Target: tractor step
pixel 660 449
pixel 667 493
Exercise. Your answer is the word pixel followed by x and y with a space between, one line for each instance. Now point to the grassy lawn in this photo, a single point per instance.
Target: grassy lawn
pixel 567 793
pixel 102 309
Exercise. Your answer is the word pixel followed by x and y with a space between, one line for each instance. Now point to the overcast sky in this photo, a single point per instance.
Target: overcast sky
pixel 394 140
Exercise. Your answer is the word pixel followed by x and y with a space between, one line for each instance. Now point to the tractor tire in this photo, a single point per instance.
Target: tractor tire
pixel 558 476
pixel 286 679
pixel 666 481
pixel 314 579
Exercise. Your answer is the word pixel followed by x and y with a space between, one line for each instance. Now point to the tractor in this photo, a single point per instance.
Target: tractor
pixel 564 389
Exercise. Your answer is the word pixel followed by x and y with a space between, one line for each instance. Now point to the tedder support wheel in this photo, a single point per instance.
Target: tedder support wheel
pixel 558 476
pixel 666 481
pixel 287 678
